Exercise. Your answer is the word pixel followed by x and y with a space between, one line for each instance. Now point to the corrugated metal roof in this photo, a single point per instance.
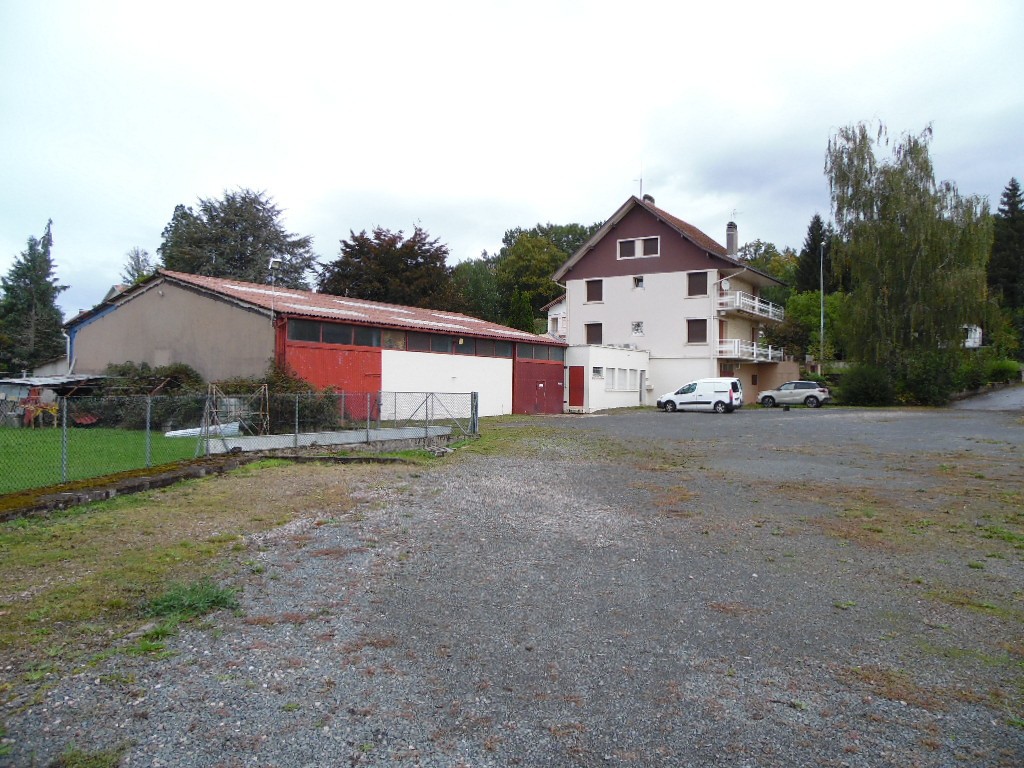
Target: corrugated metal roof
pixel 307 304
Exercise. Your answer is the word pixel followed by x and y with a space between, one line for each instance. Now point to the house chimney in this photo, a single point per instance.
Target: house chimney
pixel 731 239
pixel 649 199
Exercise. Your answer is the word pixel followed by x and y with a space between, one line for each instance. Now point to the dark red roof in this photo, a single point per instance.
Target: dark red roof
pixel 307 304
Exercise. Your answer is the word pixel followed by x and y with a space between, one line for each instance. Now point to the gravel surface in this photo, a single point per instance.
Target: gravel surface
pixel 633 589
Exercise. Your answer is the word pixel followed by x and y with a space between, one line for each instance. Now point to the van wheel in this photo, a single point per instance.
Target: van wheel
pixel 720 407
pixel 811 401
pixel 670 406
pixel 768 401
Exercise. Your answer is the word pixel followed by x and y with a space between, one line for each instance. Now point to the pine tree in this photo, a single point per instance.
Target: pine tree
pixel 30 321
pixel 1006 267
pixel 809 266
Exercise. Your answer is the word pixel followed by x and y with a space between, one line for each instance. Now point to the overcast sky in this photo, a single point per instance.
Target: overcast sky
pixel 473 118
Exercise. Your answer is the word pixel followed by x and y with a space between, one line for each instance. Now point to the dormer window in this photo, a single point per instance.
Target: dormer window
pixel 640 248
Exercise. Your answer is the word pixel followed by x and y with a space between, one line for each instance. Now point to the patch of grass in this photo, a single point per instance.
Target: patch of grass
pixel 187 601
pixel 73 757
pixel 92 452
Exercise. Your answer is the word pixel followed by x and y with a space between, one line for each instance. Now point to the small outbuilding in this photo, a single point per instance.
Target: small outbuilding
pixel 226 328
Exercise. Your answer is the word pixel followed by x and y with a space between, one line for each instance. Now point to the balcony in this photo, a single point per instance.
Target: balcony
pixel 738 301
pixel 748 351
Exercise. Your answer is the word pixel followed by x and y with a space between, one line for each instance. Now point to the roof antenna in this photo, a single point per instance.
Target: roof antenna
pixel 641 179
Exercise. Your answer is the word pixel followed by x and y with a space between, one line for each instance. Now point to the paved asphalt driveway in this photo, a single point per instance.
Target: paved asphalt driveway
pixel 1009 399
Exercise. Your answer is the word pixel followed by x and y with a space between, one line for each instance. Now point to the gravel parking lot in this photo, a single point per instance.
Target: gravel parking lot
pixel 831 587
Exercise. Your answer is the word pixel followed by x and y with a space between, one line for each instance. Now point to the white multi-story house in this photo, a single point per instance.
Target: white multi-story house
pixel 651 302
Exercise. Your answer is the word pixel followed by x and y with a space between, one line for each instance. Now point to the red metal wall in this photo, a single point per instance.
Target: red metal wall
pixel 537 386
pixel 350 369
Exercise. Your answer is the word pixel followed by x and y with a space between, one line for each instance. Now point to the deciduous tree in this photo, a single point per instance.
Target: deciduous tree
pixel 476 282
pixel 237 236
pixel 916 249
pixel 781 265
pixel 30 321
pixel 526 266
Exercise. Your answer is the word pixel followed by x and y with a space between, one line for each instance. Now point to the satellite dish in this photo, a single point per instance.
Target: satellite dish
pixel 725 284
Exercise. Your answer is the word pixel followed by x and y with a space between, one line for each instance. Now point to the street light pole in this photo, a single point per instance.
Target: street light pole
pixel 821 290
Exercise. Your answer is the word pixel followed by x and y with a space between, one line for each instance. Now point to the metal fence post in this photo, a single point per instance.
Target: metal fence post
pixel 149 432
pixel 367 418
pixel 295 437
pixel 474 413
pixel 63 439
pixel 426 413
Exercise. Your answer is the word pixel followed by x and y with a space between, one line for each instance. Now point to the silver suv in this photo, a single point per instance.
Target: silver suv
pixel 810 393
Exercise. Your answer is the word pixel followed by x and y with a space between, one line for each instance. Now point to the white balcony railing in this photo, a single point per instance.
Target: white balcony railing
pixel 737 349
pixel 744 302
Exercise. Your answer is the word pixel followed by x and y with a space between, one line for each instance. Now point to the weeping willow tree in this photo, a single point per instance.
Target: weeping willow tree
pixel 916 252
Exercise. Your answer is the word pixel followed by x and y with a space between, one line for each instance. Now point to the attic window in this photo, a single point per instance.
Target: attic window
pixel 640 248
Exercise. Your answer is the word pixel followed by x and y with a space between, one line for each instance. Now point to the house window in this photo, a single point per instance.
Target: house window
pixel 640 247
pixel 638 328
pixel 697 331
pixel 638 281
pixel 595 290
pixel 485 348
pixel 597 372
pixel 697 284
pixel 594 334
pixel 464 346
pixel 557 354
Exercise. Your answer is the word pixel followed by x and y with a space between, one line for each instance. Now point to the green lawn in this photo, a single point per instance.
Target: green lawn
pixel 31 458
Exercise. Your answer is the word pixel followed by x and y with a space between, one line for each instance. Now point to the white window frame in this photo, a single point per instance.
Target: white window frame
pixel 639 241
pixel 597 372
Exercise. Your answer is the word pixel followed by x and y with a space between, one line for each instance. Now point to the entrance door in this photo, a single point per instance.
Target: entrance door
pixel 576 382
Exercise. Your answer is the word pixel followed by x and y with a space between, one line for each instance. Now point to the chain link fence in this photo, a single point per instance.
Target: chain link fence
pixel 77 438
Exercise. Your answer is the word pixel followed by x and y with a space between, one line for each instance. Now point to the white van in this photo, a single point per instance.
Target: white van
pixel 719 395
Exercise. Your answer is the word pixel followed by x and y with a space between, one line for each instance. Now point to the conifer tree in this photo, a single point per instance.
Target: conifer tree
pixel 30 321
pixel 1006 267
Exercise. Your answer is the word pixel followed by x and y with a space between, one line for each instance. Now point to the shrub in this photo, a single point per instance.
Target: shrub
pixel 1002 370
pixel 928 379
pixel 864 384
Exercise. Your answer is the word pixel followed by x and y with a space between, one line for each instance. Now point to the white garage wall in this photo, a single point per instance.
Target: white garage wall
pixel 491 377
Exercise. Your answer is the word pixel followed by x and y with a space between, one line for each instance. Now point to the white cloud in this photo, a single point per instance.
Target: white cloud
pixel 472 118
